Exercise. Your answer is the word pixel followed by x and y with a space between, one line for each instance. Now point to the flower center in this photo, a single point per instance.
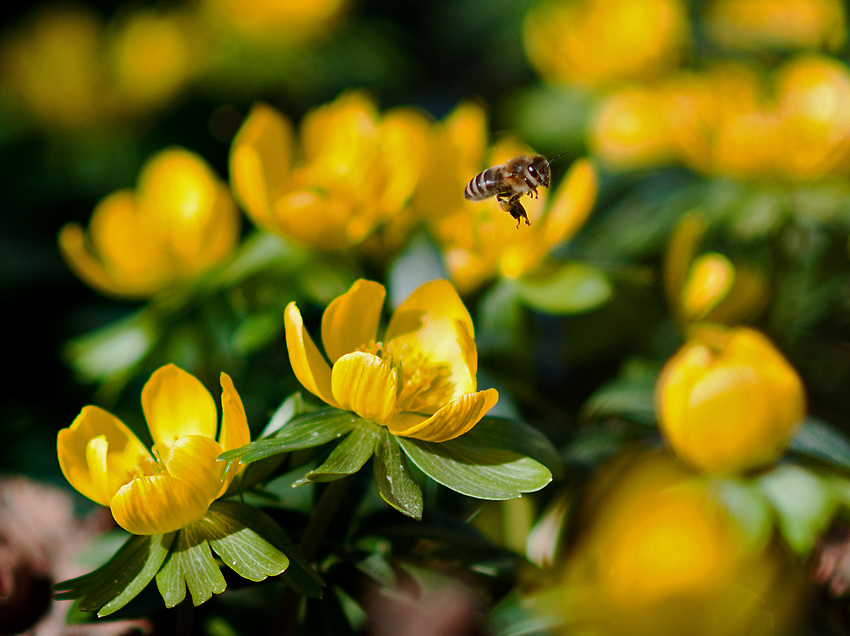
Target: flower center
pixel 423 385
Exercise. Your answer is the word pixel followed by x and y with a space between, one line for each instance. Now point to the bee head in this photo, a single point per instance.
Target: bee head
pixel 538 170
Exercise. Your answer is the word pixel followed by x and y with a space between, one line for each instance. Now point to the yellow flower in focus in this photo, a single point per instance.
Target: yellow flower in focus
pixel 709 287
pixel 767 24
pixel 728 400
pixel 479 240
pixel 419 381
pixel 173 487
pixel 357 174
pixel 659 556
pixel 179 222
pixel 597 42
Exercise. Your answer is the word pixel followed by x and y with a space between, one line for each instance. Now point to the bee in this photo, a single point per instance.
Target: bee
pixel 509 181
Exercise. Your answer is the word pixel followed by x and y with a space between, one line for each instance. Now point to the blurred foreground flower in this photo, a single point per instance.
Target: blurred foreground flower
pixel 719 122
pixel 709 287
pixel 179 222
pixel 174 487
pixel 728 400
pixel 658 555
pixel 358 170
pixel 419 382
pixel 597 42
pixel 774 24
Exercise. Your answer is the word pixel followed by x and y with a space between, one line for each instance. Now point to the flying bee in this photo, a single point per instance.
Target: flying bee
pixel 509 181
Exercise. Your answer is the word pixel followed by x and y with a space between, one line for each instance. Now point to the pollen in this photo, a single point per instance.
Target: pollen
pixel 423 386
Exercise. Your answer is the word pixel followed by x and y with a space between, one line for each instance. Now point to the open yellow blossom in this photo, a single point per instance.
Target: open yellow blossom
pixel 709 287
pixel 173 487
pixel 179 222
pixel 771 24
pixel 597 42
pixel 358 172
pixel 419 381
pixel 479 240
pixel 728 400
pixel 658 555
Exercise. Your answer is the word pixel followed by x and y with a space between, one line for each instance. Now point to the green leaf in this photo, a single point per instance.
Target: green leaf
pixel 393 479
pixel 112 586
pixel 260 251
pixel 232 535
pixel 256 331
pixel 573 288
pixel 750 508
pixel 804 504
pixel 516 436
pixel 818 439
pixel 485 473
pixel 114 349
pixel 630 394
pixel 290 408
pixel 537 613
pixel 419 263
pixel 190 563
pixel 500 321
pixel 311 429
pixel 349 457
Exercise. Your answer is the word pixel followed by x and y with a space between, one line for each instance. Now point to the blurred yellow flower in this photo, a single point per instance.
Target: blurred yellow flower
pixel 709 287
pixel 659 556
pixel 719 122
pixel 179 222
pixel 596 42
pixel 270 22
pixel 418 382
pixel 173 487
pixel 770 24
pixel 728 400
pixel 357 174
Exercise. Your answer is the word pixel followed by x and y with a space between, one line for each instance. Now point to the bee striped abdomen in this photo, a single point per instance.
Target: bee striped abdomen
pixel 484 184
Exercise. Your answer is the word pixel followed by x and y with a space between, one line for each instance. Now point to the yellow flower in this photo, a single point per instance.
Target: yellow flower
pixel 179 222
pixel 418 382
pixel 709 287
pixel 358 173
pixel 760 24
pixel 596 42
pixel 657 555
pixel 173 487
pixel 479 240
pixel 728 400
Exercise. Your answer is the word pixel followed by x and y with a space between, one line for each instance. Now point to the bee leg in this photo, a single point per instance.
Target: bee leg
pixel 514 208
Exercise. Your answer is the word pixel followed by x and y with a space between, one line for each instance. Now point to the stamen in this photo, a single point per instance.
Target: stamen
pixel 423 386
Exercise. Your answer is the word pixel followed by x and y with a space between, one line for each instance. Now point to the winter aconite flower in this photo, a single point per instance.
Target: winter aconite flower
pixel 418 381
pixel 163 491
pixel 728 400
pixel 179 222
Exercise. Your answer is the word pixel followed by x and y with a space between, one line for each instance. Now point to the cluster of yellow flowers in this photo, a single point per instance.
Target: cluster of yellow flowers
pixel 67 69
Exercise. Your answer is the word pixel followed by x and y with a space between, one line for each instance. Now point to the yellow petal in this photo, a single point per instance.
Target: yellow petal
pixel 365 384
pixel 680 254
pixel 351 320
pixel 177 404
pixel 709 281
pixel 97 464
pixel 193 459
pixel 234 425
pixel 572 203
pixel 125 453
pixel 157 504
pixel 436 298
pixel 72 244
pixel 453 420
pixel 308 364
pixel 261 160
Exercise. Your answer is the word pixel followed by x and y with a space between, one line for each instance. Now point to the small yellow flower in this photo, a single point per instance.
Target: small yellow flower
pixel 657 555
pixel 173 487
pixel 597 42
pixel 418 382
pixel 709 287
pixel 728 400
pixel 272 22
pixel 768 24
pixel 358 173
pixel 179 222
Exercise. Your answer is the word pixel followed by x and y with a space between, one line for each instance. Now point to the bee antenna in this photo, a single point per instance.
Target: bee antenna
pixel 553 158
